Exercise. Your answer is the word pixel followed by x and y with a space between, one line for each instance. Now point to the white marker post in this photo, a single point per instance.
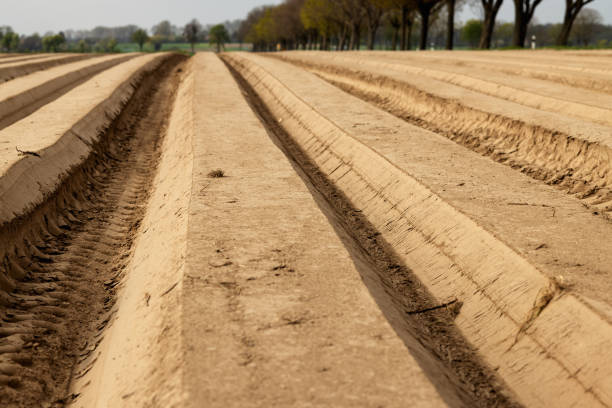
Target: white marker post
pixel 533 42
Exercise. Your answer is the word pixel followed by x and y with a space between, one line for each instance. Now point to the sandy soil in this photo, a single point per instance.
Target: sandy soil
pixel 24 67
pixel 580 76
pixel 588 105
pixel 300 332
pixel 70 126
pixel 515 87
pixel 302 97
pixel 388 229
pixel 10 58
pixel 518 210
pixel 24 95
pixel 551 147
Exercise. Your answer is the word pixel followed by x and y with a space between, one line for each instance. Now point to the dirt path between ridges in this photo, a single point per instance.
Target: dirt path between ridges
pixel 76 246
pixel 572 155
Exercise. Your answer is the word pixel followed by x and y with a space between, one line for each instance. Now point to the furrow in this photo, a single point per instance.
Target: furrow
pixel 64 259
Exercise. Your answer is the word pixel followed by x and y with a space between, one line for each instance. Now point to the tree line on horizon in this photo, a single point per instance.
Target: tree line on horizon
pixel 342 25
pixel 309 24
pixel 107 39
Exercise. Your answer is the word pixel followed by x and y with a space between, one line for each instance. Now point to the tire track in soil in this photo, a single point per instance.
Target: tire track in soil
pixel 71 253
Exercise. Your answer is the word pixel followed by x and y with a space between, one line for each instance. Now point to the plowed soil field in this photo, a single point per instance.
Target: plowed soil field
pixel 312 229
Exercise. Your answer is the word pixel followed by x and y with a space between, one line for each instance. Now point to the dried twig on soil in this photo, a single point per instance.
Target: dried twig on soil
pixel 169 289
pixel 26 152
pixel 429 309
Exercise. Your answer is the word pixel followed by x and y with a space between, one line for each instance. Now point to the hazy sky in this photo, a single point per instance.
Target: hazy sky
pixel 28 16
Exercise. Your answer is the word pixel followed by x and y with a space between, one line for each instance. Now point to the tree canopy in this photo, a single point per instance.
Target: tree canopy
pixel 218 36
pixel 472 31
pixel 191 31
pixel 140 37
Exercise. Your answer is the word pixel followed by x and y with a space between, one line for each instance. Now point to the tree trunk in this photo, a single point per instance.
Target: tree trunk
pixel 450 24
pixel 491 8
pixel 424 12
pixel 521 21
pixel 566 29
pixel 394 39
pixel 487 31
pixel 518 22
pixel 404 19
pixel 372 35
pixel 357 39
pixel 571 12
pixel 409 37
pixel 342 38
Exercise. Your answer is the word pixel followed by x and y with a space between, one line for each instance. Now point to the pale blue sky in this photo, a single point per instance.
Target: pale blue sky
pixel 28 16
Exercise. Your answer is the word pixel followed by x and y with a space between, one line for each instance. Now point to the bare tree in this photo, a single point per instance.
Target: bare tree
pixel 523 13
pixel 585 26
pixel 572 9
pixel 490 8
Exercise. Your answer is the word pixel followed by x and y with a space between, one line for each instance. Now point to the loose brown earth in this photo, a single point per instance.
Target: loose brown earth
pixel 306 229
